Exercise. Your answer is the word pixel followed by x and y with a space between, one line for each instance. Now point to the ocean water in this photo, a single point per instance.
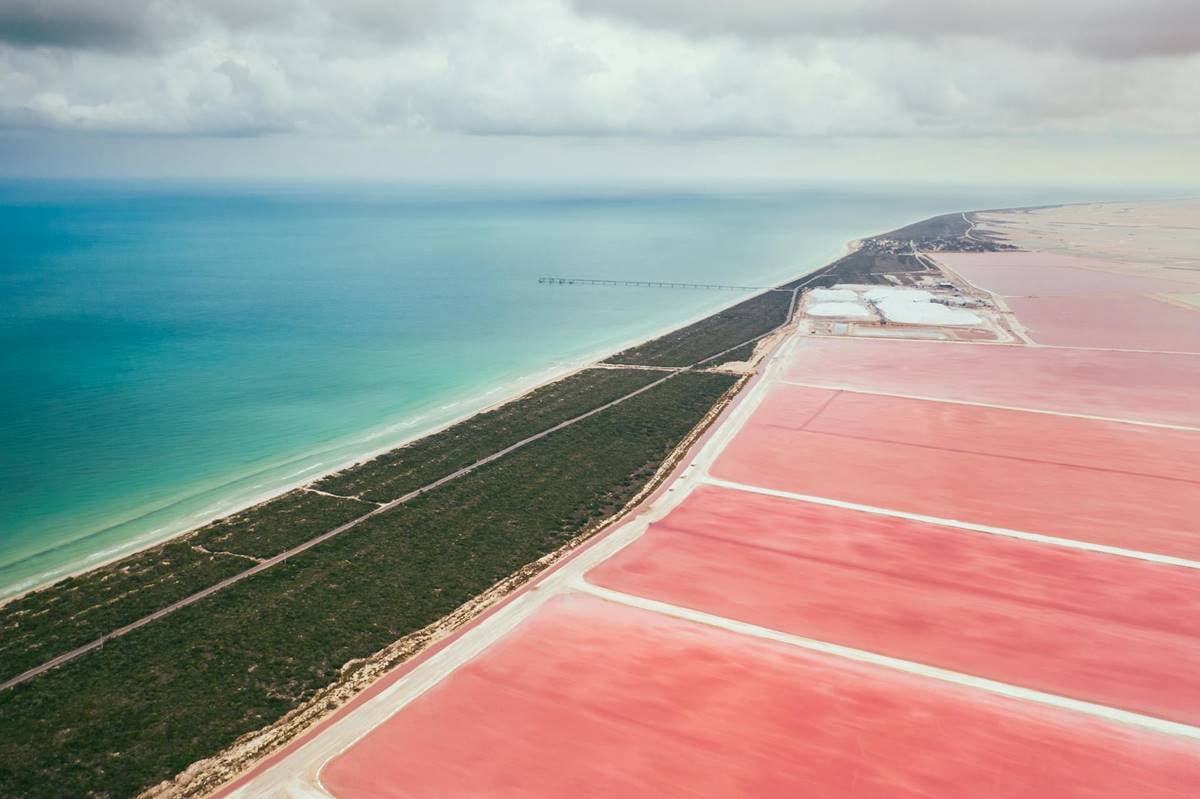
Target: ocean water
pixel 169 352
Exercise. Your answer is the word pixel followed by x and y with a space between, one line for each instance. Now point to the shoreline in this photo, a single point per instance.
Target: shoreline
pixel 521 387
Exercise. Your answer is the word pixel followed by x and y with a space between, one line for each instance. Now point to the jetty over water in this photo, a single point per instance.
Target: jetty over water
pixel 661 284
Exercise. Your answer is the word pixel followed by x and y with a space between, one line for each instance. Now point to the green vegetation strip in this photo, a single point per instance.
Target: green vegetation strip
pixel 864 267
pixel 395 473
pixel 47 623
pixel 742 353
pixel 755 317
pixel 147 705
pixel 44 624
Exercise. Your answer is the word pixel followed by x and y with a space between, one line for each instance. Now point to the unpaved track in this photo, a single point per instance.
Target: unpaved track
pixel 312 542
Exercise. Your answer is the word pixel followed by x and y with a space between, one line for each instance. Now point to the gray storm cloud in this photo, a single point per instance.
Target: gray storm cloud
pixel 117 25
pixel 113 25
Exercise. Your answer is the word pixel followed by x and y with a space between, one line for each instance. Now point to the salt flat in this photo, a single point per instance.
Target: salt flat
pixel 1155 237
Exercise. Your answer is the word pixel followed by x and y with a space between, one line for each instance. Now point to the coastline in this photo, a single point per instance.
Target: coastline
pixel 512 390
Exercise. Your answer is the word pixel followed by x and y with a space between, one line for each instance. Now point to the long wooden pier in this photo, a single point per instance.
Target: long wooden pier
pixel 658 284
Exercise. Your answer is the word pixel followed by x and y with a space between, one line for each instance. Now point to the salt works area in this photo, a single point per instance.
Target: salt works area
pixel 943 545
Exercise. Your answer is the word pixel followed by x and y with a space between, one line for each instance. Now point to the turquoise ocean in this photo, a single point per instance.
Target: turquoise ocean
pixel 170 352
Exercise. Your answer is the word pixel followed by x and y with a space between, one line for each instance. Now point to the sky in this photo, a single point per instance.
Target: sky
pixel 969 90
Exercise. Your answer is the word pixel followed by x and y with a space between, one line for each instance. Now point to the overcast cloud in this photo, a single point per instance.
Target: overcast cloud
pixel 1101 28
pixel 603 69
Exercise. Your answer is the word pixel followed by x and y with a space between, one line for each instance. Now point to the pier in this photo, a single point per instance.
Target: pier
pixel 659 284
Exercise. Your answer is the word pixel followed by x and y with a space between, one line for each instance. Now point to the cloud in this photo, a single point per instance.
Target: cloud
pixel 596 69
pixel 114 25
pixel 140 25
pixel 1099 28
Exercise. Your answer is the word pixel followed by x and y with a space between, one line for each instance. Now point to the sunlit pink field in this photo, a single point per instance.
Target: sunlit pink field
pixel 589 699
pixel 1057 620
pixel 1021 274
pixel 1062 300
pixel 981 465
pixel 1151 387
pixel 1133 322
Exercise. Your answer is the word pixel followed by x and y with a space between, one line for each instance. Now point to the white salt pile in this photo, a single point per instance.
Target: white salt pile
pixel 849 310
pixel 833 295
pixel 909 312
pixel 880 293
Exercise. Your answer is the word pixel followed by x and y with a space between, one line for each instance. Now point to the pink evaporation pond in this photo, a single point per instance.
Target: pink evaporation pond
pixel 1115 631
pixel 1039 274
pixel 1129 486
pixel 1133 322
pixel 590 699
pixel 1139 386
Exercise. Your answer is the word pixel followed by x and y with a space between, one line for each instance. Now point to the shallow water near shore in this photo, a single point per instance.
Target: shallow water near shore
pixel 170 352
